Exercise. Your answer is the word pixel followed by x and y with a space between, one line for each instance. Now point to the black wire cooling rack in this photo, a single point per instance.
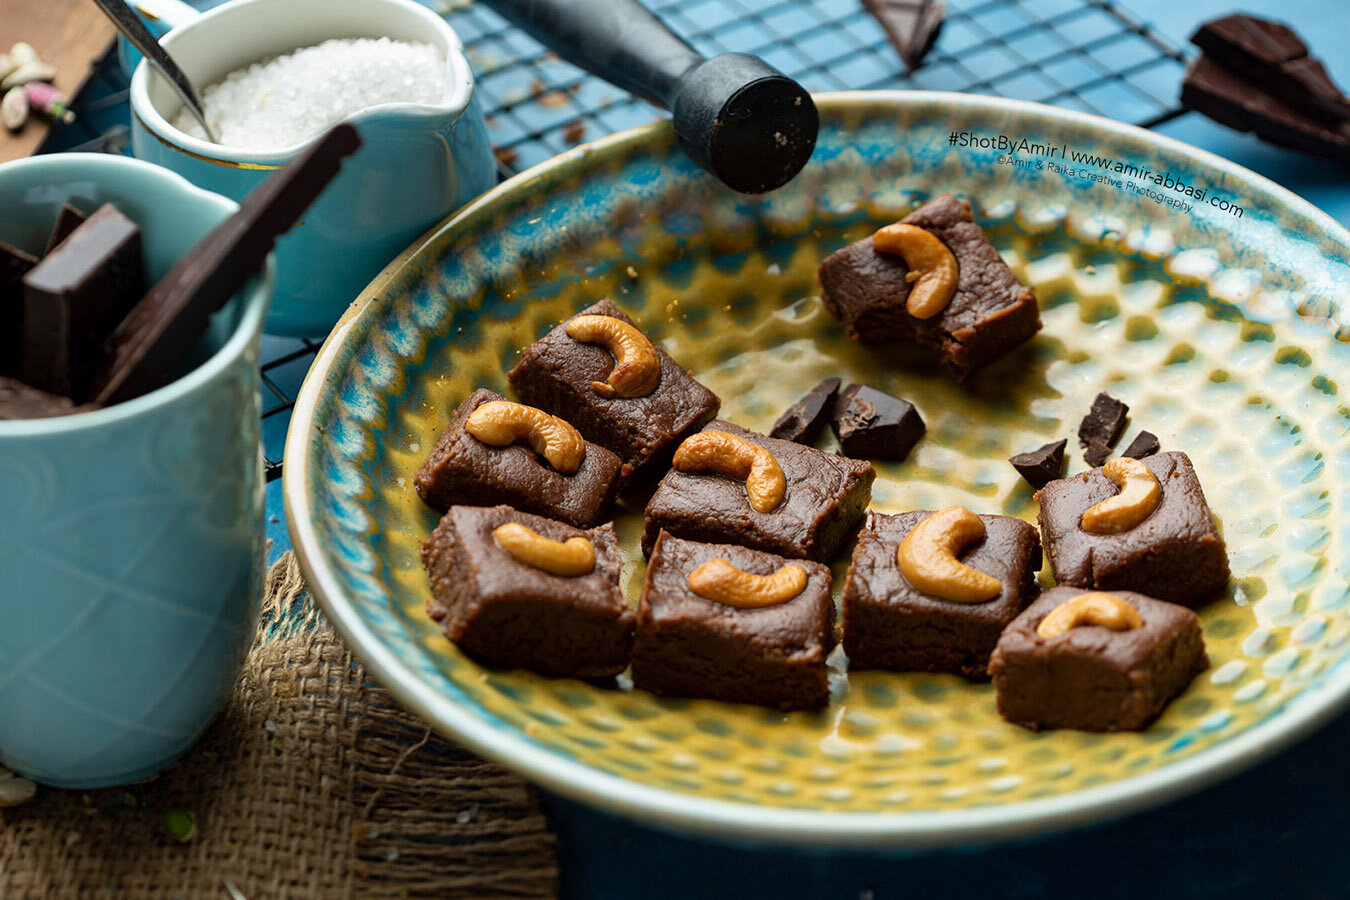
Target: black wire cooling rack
pixel 1089 55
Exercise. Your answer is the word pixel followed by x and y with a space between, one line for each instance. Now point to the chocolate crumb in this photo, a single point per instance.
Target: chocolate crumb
pixel 1103 424
pixel 872 424
pixel 804 420
pixel 1041 466
pixel 1145 444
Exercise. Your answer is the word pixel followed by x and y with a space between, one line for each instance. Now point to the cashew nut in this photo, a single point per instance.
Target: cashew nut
pixel 933 272
pixel 927 557
pixel 721 582
pixel 637 368
pixel 501 423
pixel 1092 608
pixel 575 556
pixel 727 454
pixel 1139 496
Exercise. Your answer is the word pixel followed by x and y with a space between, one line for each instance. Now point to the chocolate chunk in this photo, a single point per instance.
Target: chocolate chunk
pixel 66 223
pixel 872 424
pixel 1145 444
pixel 1096 453
pixel 1273 55
pixel 19 401
pixel 911 25
pixel 14 264
pixel 74 298
pixel 805 418
pixel 1041 466
pixel 1103 423
pixel 1239 102
pixel 169 319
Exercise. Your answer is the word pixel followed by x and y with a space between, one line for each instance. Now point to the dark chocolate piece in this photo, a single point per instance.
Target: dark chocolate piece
pixel 168 320
pixel 556 372
pixel 688 646
pixel 804 420
pixel 69 219
pixel 1175 554
pixel 990 313
pixel 19 401
pixel 497 608
pixel 1091 677
pixel 911 25
pixel 872 424
pixel 1096 453
pixel 75 297
pixel 463 470
pixel 827 495
pixel 14 264
pixel 889 624
pixel 1041 466
pixel 1271 54
pixel 1239 102
pixel 1144 444
pixel 1103 424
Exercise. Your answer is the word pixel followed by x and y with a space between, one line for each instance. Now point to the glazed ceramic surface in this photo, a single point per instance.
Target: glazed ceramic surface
pixel 131 543
pixel 1221 331
pixel 417 162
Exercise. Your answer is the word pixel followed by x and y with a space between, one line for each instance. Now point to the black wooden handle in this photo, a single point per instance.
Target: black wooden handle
pixel 619 40
pixel 736 115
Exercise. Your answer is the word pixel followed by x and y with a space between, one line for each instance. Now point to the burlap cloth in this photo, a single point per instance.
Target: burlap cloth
pixel 312 784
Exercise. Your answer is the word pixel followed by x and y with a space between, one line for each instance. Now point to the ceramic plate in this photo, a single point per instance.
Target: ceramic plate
pixel 1197 292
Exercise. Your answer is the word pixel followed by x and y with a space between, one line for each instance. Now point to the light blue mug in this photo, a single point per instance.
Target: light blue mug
pixel 132 539
pixel 418 162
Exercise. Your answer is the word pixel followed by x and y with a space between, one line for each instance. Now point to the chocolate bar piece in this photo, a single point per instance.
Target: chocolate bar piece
pixel 1239 102
pixel 872 424
pixel 19 401
pixel 1145 444
pixel 69 219
pixel 1271 54
pixel 14 264
pixel 74 298
pixel 169 319
pixel 1104 422
pixel 911 25
pixel 804 420
pixel 1041 466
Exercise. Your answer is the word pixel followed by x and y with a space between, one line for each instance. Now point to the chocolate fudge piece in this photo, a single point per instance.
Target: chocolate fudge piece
pixel 804 420
pixel 19 401
pixel 826 497
pixel 556 374
pixel 1093 678
pixel 67 221
pixel 871 424
pixel 499 609
pixel 889 624
pixel 75 298
pixel 688 646
pixel 1175 554
pixel 911 25
pixel 1041 466
pixel 990 313
pixel 464 470
pixel 1273 55
pixel 1235 100
pixel 1145 444
pixel 14 264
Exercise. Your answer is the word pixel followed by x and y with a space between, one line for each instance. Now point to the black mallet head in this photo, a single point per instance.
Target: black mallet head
pixel 745 122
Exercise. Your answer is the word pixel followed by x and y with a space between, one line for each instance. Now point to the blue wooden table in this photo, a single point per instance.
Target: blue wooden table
pixel 1275 831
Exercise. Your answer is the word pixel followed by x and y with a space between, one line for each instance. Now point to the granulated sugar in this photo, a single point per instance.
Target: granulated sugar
pixel 288 99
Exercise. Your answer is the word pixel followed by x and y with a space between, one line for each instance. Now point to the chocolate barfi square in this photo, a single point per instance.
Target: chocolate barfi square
pixel 688 646
pixel 1176 553
pixel 990 313
pixel 826 497
pixel 463 470
pixel 557 374
pixel 890 624
pixel 502 610
pixel 1091 677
